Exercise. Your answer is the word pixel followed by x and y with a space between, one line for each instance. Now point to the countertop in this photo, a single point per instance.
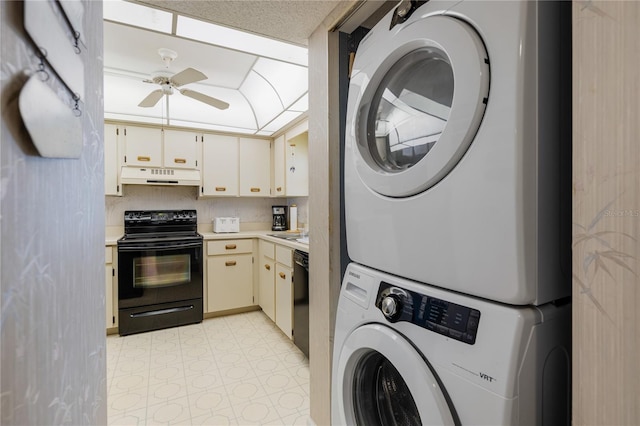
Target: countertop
pixel 113 234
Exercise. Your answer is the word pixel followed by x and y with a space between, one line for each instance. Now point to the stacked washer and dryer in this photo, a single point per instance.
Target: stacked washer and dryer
pixel 454 310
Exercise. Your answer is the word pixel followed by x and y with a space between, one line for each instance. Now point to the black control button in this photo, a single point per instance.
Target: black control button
pixel 442 329
pixel 472 324
pixel 431 326
pixel 469 338
pixel 474 313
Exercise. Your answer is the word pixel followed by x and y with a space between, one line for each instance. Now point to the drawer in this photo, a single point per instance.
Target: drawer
pixel 267 249
pixel 229 246
pixel 108 255
pixel 284 256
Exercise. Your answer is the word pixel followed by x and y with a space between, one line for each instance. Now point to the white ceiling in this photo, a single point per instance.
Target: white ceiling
pixel 239 78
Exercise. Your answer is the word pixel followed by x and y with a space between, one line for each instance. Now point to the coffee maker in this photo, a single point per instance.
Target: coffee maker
pixel 279 218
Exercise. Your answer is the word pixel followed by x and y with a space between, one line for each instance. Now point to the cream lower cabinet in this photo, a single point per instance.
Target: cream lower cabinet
pixel 229 274
pixel 267 268
pixel 284 289
pixel 111 287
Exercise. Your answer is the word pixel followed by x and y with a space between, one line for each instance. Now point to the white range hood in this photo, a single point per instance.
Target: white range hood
pixel 159 176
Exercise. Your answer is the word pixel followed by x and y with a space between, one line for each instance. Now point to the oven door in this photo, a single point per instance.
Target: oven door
pixel 152 273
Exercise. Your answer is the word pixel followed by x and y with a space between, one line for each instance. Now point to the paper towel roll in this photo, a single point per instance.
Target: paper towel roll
pixel 293 217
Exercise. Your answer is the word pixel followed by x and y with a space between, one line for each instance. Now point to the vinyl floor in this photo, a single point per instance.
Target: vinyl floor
pixel 234 370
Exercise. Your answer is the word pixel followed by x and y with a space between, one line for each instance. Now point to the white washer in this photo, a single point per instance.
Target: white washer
pixel 444 358
pixel 453 146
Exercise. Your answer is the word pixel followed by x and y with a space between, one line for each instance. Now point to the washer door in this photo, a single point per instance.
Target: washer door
pixel 383 380
pixel 421 105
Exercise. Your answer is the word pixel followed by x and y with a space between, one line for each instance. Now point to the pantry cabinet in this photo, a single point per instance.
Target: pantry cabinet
pixel 229 274
pixel 220 166
pixel 111 287
pixel 113 147
pixel 267 278
pixel 255 167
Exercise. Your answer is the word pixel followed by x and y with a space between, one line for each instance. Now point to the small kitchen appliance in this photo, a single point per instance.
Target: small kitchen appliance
pixel 226 224
pixel 279 218
pixel 159 271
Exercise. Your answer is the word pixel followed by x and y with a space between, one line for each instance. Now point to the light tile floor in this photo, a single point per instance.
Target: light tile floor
pixel 234 370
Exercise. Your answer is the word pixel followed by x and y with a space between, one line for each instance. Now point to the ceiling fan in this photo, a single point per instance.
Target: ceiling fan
pixel 168 81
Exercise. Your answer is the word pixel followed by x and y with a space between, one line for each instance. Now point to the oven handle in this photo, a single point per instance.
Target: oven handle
pixel 159 247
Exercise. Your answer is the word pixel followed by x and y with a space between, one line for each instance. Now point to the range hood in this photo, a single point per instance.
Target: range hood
pixel 159 176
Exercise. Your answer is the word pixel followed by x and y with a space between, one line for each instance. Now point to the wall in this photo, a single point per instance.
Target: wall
pixel 141 197
pixel 606 213
pixel 52 350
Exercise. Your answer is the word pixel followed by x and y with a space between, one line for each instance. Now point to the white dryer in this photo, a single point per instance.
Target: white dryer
pixel 410 354
pixel 453 147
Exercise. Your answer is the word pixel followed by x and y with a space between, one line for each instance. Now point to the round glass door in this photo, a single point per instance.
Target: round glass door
pixel 421 105
pixel 384 381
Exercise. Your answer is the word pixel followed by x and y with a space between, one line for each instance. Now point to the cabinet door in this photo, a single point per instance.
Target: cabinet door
pixel 229 282
pixel 267 287
pixel 111 164
pixel 109 285
pixel 143 146
pixel 279 188
pixel 255 167
pixel 180 149
pixel 219 165
pixel 284 299
pixel 297 166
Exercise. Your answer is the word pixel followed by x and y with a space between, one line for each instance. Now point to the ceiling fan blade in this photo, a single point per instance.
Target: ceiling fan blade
pixel 151 99
pixel 216 103
pixel 187 76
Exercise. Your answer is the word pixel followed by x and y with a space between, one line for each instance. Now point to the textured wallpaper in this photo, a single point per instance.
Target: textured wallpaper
pixel 142 197
pixel 52 362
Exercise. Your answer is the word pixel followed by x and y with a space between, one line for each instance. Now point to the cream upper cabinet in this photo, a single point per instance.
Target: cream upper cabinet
pixel 279 188
pixel 180 149
pixel 219 166
pixel 255 167
pixel 143 146
pixel 113 145
pixel 291 162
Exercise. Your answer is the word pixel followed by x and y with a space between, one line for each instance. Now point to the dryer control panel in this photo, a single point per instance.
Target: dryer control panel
pixel 449 319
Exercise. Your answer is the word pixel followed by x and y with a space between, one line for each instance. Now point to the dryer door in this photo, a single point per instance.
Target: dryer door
pixel 420 105
pixel 383 380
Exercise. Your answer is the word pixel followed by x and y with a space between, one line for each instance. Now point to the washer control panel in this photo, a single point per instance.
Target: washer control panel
pixel 450 319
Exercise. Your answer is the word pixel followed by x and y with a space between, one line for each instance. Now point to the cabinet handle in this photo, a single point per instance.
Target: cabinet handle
pixel 230 246
pixel 141 158
pixel 230 263
pixel 255 189
pixel 292 144
pixel 180 161
pixel 283 275
pixel 267 267
pixel 279 189
pixel 220 188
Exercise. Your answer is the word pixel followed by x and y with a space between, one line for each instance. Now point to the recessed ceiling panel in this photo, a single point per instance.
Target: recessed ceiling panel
pixel 290 81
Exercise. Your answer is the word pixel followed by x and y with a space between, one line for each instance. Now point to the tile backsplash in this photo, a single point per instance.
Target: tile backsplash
pixel 249 210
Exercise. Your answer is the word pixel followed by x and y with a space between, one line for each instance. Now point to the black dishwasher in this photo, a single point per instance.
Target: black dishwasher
pixel 301 301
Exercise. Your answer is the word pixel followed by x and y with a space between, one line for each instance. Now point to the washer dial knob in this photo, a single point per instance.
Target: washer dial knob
pixel 391 307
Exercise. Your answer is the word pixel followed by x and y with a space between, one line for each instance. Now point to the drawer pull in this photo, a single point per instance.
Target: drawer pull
pixel 267 267
pixel 283 275
pixel 180 161
pixel 221 188
pixel 279 189
pixel 255 189
pixel 141 158
pixel 230 263
pixel 230 246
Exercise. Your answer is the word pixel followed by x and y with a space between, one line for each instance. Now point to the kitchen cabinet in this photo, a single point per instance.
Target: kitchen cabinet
pixel 284 289
pixel 113 146
pixel 291 162
pixel 229 274
pixel 266 278
pixel 111 287
pixel 155 147
pixel 180 149
pixel 220 166
pixel 255 167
